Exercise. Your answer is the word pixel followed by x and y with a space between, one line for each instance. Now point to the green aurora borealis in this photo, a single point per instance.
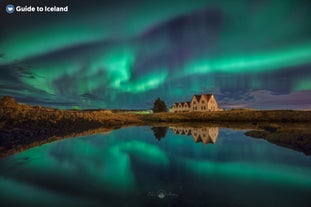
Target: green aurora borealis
pixel 120 54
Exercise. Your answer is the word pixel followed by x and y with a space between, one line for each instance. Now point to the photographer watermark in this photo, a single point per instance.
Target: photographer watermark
pixel 10 9
pixel 161 194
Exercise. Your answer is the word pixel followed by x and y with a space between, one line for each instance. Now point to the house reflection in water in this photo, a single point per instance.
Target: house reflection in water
pixel 204 134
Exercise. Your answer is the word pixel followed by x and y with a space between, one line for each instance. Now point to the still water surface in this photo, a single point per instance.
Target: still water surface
pixel 138 166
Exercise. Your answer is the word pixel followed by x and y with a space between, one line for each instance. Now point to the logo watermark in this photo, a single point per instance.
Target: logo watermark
pixel 161 194
pixel 10 9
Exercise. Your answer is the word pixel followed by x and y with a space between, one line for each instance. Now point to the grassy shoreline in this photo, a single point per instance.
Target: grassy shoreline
pixel 12 111
pixel 250 116
pixel 24 126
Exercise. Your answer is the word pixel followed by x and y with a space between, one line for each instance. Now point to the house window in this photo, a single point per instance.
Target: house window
pixel 194 102
pixel 202 102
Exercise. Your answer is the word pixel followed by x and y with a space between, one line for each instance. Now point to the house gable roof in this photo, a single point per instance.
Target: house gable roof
pixel 175 105
pixel 186 103
pixel 206 96
pixel 196 97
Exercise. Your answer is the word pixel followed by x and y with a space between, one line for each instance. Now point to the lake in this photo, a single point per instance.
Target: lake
pixel 158 166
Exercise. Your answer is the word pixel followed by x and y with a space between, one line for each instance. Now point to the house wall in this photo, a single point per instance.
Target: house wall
pixel 203 104
pixel 212 104
pixel 173 108
pixel 194 104
pixel 186 108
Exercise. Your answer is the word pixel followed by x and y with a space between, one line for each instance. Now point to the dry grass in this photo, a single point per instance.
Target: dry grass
pixel 251 116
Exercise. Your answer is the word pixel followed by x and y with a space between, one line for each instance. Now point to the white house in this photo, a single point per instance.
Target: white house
pixel 204 102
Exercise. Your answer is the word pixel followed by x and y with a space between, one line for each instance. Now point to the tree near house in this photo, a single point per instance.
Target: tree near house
pixel 159 106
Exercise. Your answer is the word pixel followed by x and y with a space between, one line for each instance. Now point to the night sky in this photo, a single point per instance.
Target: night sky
pixel 125 54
